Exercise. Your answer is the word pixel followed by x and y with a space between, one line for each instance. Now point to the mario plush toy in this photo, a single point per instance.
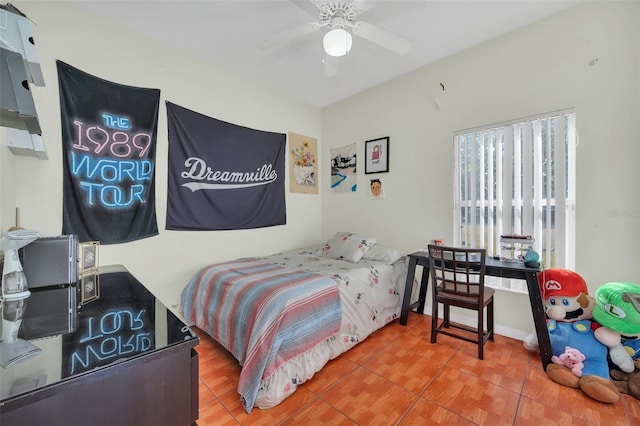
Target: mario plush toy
pixel 618 310
pixel 569 309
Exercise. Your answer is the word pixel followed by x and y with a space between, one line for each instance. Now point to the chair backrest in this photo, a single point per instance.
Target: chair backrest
pixel 458 271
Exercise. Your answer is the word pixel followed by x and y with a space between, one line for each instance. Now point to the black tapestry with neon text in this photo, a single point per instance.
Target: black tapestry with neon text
pixel 109 135
pixel 223 176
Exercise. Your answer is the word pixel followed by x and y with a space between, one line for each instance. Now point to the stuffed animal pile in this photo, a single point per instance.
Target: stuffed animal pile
pixel 572 332
pixel 595 341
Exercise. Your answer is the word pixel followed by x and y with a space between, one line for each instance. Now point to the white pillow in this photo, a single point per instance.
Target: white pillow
pixel 347 246
pixel 382 253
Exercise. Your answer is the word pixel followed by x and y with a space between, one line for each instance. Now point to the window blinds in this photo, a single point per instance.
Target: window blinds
pixel 518 178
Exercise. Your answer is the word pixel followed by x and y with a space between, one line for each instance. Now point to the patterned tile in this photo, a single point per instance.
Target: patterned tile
pixel 469 396
pixel 220 373
pixel 633 408
pixel 532 413
pixel 319 412
pixel 418 341
pixel 206 395
pixel 373 344
pixel 573 401
pixel 396 376
pixel 271 416
pixel 499 366
pixel 214 413
pixel 333 371
pixel 425 412
pixel 405 368
pixel 369 399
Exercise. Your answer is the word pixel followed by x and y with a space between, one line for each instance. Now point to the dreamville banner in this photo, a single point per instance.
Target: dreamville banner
pixel 223 176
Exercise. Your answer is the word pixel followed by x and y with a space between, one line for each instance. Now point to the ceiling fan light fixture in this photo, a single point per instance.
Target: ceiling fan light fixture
pixel 337 42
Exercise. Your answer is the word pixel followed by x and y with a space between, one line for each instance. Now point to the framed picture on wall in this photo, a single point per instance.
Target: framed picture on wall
pixel 376 155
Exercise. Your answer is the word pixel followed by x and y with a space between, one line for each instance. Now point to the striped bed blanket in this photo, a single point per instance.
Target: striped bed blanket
pixel 263 313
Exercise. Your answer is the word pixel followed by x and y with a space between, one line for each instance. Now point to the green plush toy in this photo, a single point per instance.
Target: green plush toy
pixel 618 310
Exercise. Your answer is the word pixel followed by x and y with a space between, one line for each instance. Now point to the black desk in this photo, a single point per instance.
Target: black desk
pixel 121 359
pixel 494 268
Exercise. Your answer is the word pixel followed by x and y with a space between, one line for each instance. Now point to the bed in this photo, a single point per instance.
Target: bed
pixel 284 316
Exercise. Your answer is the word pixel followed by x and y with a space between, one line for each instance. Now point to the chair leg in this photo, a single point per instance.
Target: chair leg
pixel 434 321
pixel 481 333
pixel 490 320
pixel 446 310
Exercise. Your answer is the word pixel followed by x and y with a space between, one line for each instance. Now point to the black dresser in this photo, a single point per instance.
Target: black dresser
pixel 103 351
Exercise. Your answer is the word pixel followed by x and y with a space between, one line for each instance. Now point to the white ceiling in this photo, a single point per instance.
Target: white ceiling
pixel 227 33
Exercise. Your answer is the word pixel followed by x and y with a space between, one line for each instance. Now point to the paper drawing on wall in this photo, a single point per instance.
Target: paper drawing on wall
pixel 303 168
pixel 376 189
pixel 343 169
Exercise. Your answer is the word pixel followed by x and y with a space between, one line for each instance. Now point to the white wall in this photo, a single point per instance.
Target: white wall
pixel 164 262
pixel 540 68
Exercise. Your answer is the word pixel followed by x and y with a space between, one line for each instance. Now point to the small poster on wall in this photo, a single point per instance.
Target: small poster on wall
pixel 303 167
pixel 343 169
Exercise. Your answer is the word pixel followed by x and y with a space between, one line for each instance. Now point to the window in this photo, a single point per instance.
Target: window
pixel 518 177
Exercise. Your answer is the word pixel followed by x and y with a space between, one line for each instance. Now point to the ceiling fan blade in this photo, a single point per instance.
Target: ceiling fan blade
pixel 309 6
pixel 384 38
pixel 331 65
pixel 362 5
pixel 289 35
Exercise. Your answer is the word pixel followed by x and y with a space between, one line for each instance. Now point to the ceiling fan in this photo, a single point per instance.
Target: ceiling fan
pixel 338 17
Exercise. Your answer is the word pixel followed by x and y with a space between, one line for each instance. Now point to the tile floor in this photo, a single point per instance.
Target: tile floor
pixel 397 377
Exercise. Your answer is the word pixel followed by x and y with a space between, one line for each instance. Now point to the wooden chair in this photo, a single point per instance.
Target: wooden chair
pixel 457 277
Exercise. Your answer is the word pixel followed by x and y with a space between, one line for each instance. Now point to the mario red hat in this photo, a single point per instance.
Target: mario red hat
pixel 561 282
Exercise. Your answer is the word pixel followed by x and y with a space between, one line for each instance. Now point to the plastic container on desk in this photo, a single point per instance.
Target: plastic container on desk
pixel 513 249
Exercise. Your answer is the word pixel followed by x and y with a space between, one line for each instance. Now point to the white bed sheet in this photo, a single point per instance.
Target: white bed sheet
pixel 371 296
